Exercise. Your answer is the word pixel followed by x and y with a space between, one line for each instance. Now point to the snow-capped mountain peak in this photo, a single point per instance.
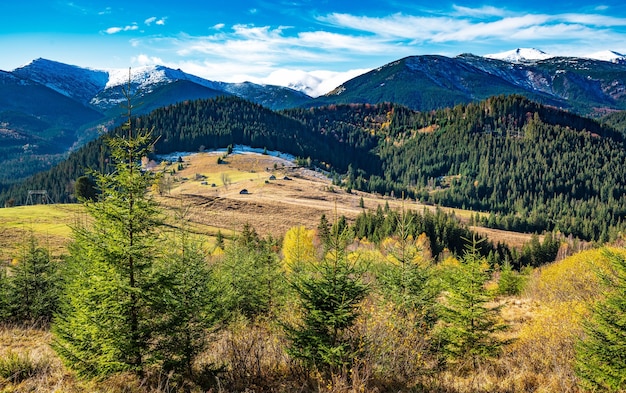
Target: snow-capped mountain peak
pixel 143 76
pixel 520 55
pixel 69 80
pixel 607 55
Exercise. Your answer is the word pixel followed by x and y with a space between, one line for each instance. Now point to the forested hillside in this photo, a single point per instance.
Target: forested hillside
pixel 533 167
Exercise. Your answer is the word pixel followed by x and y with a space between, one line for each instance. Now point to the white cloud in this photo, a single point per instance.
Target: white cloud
pixel 145 60
pixel 115 30
pixel 479 12
pixel 313 83
pixel 154 20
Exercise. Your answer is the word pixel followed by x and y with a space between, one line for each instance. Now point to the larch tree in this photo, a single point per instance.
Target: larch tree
pixel 298 248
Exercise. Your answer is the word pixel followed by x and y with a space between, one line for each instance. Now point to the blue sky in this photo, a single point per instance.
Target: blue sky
pixel 320 42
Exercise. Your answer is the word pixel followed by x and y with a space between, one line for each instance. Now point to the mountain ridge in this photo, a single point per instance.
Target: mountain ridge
pixel 88 101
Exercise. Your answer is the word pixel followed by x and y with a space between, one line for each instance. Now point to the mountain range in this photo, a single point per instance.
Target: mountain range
pixel 48 108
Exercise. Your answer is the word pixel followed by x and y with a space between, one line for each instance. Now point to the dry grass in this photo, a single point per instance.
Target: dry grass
pixel 271 206
pixel 27 350
pixel 274 206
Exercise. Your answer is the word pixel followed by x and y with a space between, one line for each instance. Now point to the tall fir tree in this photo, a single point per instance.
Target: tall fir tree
pixel 601 354
pixel 188 304
pixel 105 319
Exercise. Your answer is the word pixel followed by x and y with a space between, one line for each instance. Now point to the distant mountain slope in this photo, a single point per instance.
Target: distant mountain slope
pixel 37 125
pixel 219 122
pixel 585 86
pixel 101 88
pixel 57 107
pixel 81 84
pixel 47 107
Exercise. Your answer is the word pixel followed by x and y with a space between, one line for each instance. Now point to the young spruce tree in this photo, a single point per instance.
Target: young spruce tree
pixel 328 293
pixel 188 309
pixel 105 319
pixel 467 324
pixel 601 354
pixel 34 284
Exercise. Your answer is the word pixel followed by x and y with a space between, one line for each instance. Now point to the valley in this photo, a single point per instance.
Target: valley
pixel 272 204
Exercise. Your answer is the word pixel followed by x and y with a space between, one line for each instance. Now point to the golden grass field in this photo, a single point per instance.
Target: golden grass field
pixel 274 206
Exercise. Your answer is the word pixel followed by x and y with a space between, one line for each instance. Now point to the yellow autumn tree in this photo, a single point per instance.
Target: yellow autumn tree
pixel 401 251
pixel 298 248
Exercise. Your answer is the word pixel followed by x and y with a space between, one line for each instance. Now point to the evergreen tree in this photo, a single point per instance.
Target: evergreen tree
pixel 250 278
pixel 188 306
pixel 601 354
pixel 511 282
pixel 328 294
pixel 219 239
pixel 468 324
pixel 34 284
pixel 85 189
pixel 5 294
pixel 408 280
pixel 105 319
pixel 323 231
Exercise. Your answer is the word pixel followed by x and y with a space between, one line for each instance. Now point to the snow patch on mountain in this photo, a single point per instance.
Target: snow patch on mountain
pixel 69 80
pixel 520 55
pixel 607 55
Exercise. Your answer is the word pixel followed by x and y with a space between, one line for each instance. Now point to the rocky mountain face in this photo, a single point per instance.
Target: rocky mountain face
pixel 102 89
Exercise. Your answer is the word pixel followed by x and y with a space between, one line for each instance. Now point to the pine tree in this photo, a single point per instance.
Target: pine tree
pixel 250 278
pixel 601 354
pixel 510 282
pixel 105 319
pixel 323 231
pixel 188 306
pixel 408 280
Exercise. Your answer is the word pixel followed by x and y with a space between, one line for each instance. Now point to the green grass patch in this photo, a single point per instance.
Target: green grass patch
pixel 52 220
